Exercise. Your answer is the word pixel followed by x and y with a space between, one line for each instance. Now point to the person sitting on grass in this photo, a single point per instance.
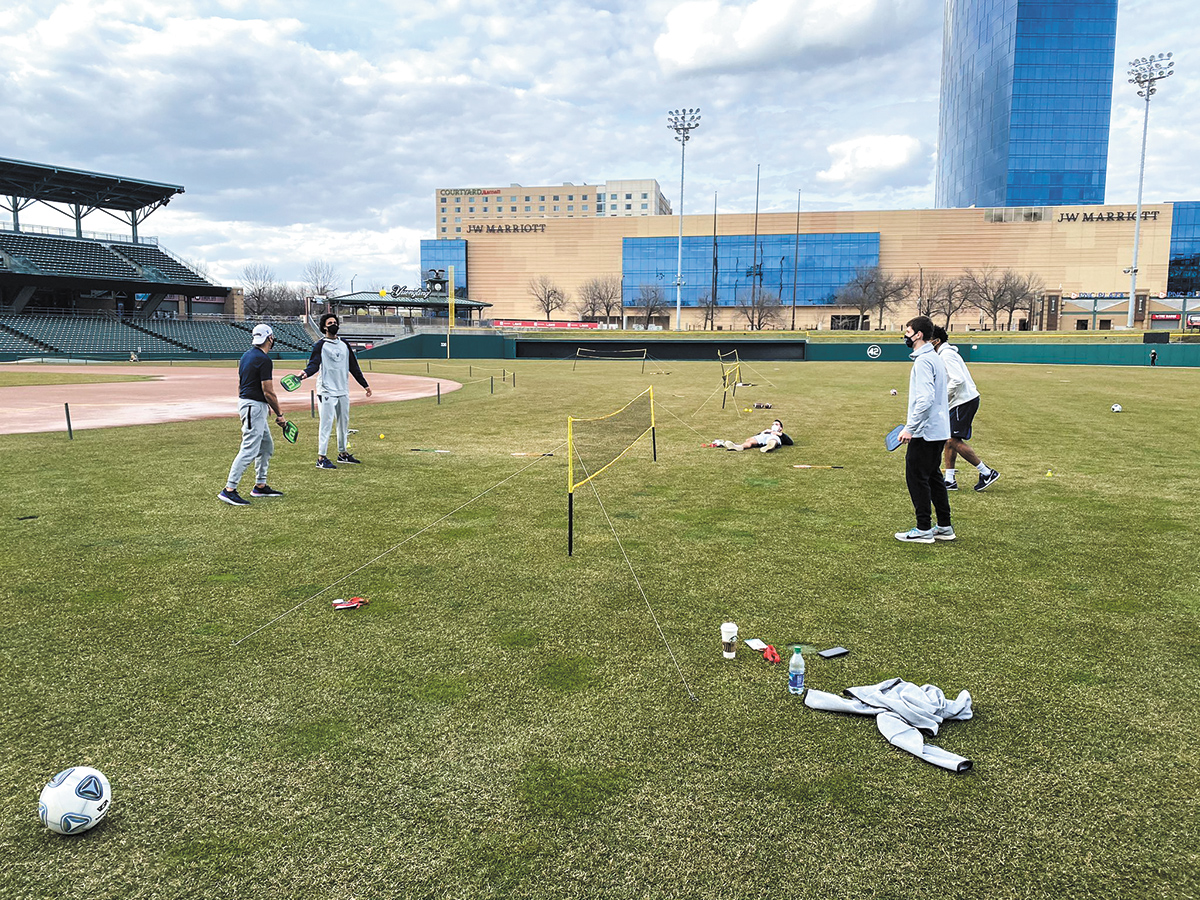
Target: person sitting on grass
pixel 766 440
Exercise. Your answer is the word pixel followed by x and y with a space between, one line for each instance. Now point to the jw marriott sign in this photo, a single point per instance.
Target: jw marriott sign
pixel 1149 215
pixel 506 229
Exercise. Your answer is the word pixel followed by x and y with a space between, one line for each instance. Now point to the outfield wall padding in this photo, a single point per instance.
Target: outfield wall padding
pixel 433 346
pixel 1182 355
pixel 666 348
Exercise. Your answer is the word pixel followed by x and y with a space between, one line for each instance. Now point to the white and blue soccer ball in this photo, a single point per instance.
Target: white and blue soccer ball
pixel 75 800
pixel 1116 407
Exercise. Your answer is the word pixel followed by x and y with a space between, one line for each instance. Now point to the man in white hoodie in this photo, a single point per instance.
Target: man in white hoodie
pixel 336 362
pixel 963 397
pixel 925 432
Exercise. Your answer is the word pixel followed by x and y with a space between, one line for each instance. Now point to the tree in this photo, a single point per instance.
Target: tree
pixel 264 295
pixel 601 295
pixel 871 288
pixel 988 289
pixel 585 307
pixel 759 308
pixel 320 278
pixel 708 305
pixel 1022 292
pixel 546 295
pixel 650 302
pixel 944 296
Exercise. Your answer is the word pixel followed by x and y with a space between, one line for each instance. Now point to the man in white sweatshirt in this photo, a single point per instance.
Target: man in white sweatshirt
pixel 336 362
pixel 963 397
pixel 925 432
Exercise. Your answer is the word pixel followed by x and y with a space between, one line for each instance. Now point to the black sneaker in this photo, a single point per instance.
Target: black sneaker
pixel 952 485
pixel 347 458
pixel 985 480
pixel 265 491
pixel 232 498
pixel 324 463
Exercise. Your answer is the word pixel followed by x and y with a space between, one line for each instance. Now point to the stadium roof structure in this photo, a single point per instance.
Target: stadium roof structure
pixel 406 298
pixel 129 199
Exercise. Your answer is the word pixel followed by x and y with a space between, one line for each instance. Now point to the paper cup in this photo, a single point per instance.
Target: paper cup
pixel 729 635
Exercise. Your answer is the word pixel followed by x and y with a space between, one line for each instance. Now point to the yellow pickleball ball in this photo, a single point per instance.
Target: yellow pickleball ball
pixel 381 437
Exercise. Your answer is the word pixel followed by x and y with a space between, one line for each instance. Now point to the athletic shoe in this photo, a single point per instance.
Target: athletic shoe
pixel 347 458
pixel 232 498
pixel 915 536
pixel 764 449
pixel 324 463
pixel 944 533
pixel 986 480
pixel 952 485
pixel 265 491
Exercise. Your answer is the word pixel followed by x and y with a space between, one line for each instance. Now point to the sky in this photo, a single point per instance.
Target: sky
pixel 307 131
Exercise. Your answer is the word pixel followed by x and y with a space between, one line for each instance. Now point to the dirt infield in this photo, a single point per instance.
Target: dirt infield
pixel 174 395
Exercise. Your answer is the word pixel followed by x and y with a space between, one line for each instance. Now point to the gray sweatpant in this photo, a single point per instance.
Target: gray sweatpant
pixel 333 407
pixel 257 444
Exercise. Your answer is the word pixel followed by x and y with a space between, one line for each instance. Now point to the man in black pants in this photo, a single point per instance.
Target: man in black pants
pixel 926 431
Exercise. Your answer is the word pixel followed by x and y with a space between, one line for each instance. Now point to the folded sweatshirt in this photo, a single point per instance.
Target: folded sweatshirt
pixel 903 713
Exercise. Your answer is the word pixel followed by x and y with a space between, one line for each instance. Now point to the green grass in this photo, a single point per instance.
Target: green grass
pixel 35 377
pixel 504 721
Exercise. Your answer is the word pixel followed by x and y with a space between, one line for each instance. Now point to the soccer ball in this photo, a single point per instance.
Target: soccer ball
pixel 893 392
pixel 74 800
pixel 1116 407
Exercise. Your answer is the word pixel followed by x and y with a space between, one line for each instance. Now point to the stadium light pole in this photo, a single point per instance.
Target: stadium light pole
pixel 1145 73
pixel 683 122
pixel 352 277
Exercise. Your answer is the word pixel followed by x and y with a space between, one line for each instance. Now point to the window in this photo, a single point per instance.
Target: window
pixel 458 209
pixel 443 231
pixel 443 221
pixel 570 207
pixel 556 196
pixel 527 209
pixel 629 206
pixel 629 196
pixel 458 199
pixel 612 196
pixel 470 209
pixel 542 198
pixel 458 230
pixel 526 198
pixel 583 197
pixel 556 207
pixel 512 209
pixel 585 206
pixel 458 218
pixel 443 209
pixel 512 200
pixel 570 196
pixel 541 209
pixel 645 206
pixel 644 196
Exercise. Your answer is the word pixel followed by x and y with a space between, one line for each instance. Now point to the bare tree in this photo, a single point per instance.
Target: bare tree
pixel 546 295
pixel 584 306
pixel 859 292
pixel 603 293
pixel 760 309
pixel 988 289
pixel 1022 291
pixel 873 289
pixel 320 278
pixel 945 295
pixel 650 302
pixel 264 295
pixel 708 305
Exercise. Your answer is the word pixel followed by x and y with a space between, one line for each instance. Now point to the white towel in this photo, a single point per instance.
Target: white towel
pixel 902 712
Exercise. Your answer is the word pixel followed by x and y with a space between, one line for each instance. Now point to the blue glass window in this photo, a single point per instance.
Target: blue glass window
pixel 1183 272
pixel 442 254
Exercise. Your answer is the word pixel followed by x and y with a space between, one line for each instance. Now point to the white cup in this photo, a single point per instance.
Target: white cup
pixel 729 637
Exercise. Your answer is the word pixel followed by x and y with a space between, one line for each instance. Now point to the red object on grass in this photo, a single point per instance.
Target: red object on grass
pixel 771 655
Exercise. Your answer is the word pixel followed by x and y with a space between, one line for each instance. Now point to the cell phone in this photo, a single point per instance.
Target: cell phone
pixel 832 652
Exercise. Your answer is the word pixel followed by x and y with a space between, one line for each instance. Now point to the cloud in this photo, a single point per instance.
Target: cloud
pixel 711 36
pixel 873 160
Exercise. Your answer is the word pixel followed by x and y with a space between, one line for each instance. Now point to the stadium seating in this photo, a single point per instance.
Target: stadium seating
pixel 203 337
pixel 288 335
pixel 39 254
pixel 89 334
pixel 15 343
pixel 158 264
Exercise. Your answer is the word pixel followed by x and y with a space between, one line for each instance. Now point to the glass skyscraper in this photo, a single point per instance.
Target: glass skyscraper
pixel 1026 101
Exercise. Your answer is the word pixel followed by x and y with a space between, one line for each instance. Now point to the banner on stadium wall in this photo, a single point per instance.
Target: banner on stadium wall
pixel 533 323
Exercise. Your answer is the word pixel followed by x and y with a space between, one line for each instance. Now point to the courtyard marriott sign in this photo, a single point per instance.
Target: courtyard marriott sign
pixel 1149 215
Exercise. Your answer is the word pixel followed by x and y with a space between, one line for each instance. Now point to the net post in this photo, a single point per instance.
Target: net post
pixel 439 393
pixel 493 377
pixel 67 410
pixel 653 445
pixel 570 523
pixel 312 404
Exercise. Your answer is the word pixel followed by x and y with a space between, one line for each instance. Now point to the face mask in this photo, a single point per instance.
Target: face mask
pixel 908 342
pixel 332 328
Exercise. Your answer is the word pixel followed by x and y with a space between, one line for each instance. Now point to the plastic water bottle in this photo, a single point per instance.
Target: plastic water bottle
pixel 796 672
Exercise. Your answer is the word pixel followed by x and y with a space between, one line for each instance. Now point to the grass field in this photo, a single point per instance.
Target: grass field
pixel 504 721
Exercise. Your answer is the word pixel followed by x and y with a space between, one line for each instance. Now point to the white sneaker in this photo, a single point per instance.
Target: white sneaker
pixel 944 533
pixel 915 536
pixel 764 449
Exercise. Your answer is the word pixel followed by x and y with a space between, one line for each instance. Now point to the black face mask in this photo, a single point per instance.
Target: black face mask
pixel 908 342
pixel 332 328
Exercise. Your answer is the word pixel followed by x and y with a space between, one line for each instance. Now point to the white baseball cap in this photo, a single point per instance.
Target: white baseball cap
pixel 261 333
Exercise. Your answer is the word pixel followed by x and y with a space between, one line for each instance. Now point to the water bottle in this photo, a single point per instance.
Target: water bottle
pixel 796 672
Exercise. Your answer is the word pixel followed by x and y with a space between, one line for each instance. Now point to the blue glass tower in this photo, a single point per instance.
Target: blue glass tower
pixel 1026 102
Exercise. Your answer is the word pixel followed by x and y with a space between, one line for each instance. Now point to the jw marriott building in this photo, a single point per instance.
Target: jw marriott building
pixel 1023 134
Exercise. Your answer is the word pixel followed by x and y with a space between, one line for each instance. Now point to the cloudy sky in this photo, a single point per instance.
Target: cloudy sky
pixel 320 130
